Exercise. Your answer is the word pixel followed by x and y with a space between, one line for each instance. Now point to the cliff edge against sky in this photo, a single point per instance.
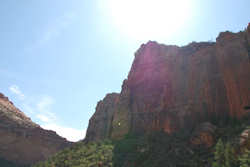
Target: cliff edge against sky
pixel 171 87
pixel 22 141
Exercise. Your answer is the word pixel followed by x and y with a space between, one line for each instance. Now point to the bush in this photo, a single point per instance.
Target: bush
pixel 82 155
pixel 224 155
pixel 245 159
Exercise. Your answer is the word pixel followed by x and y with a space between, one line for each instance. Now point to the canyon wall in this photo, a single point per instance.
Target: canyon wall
pixel 171 87
pixel 22 141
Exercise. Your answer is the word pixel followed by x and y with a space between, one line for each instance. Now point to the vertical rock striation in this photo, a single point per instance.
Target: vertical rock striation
pixel 100 125
pixel 171 87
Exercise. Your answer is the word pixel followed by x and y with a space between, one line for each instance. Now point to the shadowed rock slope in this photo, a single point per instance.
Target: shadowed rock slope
pixel 22 141
pixel 171 87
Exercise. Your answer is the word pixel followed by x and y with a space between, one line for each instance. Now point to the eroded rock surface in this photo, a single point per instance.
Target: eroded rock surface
pixel 21 140
pixel 171 87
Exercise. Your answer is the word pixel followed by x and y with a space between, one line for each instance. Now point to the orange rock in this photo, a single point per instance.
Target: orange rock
pixel 171 87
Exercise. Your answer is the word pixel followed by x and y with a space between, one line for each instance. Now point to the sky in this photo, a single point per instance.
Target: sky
pixel 59 58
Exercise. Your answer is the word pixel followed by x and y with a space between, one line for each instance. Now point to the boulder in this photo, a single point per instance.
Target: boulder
pixel 204 135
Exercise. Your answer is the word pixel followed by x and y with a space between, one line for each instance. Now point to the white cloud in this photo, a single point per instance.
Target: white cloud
pixel 66 132
pixel 49 121
pixel 41 109
pixel 43 118
pixel 15 89
pixel 44 107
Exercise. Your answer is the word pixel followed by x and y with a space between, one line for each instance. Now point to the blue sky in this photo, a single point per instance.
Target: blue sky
pixel 59 58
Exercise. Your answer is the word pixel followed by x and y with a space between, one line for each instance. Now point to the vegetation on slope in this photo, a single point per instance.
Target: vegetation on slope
pixel 82 155
pixel 162 150
pixel 159 149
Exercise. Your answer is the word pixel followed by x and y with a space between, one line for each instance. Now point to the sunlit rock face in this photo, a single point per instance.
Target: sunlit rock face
pixel 21 140
pixel 171 87
pixel 100 125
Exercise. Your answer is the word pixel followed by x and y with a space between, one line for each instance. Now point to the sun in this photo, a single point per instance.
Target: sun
pixel 148 19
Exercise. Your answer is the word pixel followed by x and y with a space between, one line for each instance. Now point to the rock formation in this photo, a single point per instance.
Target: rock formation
pixel 22 141
pixel 171 87
pixel 204 135
pixel 245 138
pixel 101 121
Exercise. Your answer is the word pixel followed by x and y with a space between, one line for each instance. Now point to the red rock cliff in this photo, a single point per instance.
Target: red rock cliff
pixel 21 140
pixel 171 87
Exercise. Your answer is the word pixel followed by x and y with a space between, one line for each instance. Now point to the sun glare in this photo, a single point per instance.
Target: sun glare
pixel 148 19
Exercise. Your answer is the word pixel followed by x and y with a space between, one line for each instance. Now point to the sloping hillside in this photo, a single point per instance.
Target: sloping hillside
pixel 22 141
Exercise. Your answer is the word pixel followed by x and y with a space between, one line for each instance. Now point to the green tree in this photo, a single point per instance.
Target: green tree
pixel 219 154
pixel 224 155
pixel 245 159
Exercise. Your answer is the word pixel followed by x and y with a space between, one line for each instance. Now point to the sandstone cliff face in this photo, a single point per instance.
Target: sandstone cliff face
pixel 23 141
pixel 100 125
pixel 171 87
